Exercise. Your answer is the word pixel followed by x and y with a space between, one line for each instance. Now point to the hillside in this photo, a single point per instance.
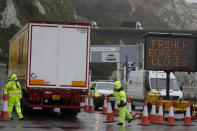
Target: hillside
pixel 152 14
pixel 160 14
pixel 19 12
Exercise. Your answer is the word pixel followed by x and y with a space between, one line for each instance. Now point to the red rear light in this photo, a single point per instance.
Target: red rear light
pixel 69 96
pixel 75 99
pixel 63 96
pixel 82 100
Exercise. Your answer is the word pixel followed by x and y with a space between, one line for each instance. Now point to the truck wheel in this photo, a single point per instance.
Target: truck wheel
pixel 132 106
pixel 149 107
pixel 164 111
pixel 96 107
pixel 112 105
pixel 191 109
pixel 69 113
pixel 47 110
pixel 25 108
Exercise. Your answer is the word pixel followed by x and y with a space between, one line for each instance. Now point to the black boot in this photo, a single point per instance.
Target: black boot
pixel 21 118
pixel 120 123
pixel 10 118
pixel 129 121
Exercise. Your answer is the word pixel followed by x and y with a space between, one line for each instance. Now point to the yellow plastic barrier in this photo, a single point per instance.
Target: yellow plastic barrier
pixel 178 105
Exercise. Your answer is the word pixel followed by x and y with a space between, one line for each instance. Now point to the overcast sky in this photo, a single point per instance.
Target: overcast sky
pixel 195 1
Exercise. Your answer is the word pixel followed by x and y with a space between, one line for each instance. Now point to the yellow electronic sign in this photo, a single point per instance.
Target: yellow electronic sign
pixel 170 53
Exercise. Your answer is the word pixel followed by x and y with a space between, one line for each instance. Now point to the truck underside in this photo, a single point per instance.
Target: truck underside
pixel 67 100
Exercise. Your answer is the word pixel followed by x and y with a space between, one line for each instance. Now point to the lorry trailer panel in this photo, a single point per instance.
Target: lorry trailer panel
pixel 53 55
pixel 51 60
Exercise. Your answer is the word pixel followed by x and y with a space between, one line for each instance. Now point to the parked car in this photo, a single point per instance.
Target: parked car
pixel 104 88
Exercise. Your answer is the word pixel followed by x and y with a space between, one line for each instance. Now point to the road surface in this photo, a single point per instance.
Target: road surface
pixel 52 121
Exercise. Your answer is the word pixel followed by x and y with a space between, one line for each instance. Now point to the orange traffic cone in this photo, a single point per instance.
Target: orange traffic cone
pixel 116 110
pixel 152 116
pixel 110 115
pixel 91 107
pixel 105 105
pixel 82 103
pixel 171 115
pixel 145 120
pixel 86 108
pixel 160 118
pixel 187 120
pixel 129 105
pixel 4 112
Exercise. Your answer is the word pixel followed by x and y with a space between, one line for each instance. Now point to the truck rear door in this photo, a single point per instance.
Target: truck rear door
pixel 43 55
pixel 59 56
pixel 73 57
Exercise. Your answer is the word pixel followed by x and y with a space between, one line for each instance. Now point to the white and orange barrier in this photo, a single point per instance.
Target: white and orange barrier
pixel 160 118
pixel 104 111
pixel 171 115
pixel 116 110
pixel 187 120
pixel 152 116
pixel 4 112
pixel 110 114
pixel 91 107
pixel 144 118
pixel 129 105
pixel 86 108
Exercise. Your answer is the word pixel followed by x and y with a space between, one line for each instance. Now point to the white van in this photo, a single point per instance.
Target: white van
pixel 140 82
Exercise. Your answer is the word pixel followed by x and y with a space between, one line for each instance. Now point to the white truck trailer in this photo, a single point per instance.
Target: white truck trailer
pixel 51 60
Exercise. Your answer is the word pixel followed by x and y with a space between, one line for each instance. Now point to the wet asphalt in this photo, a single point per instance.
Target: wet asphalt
pixel 52 121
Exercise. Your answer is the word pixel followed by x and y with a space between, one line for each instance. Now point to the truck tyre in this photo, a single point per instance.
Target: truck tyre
pixel 163 110
pixel 69 113
pixel 47 110
pixel 96 104
pixel 96 107
pixel 26 110
pixel 132 106
pixel 112 105
pixel 24 106
pixel 64 112
pixel 149 107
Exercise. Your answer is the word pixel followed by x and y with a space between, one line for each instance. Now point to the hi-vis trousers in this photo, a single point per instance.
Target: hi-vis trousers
pixel 124 113
pixel 14 101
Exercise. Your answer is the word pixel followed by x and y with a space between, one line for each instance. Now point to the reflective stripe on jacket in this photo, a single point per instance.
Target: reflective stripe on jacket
pixel 93 93
pixel 12 90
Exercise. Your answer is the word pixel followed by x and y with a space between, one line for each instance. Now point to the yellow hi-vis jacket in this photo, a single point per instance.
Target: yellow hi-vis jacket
pixel 93 93
pixel 13 88
pixel 119 95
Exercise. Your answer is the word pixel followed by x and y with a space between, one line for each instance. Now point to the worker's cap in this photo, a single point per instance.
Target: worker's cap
pixel 117 85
